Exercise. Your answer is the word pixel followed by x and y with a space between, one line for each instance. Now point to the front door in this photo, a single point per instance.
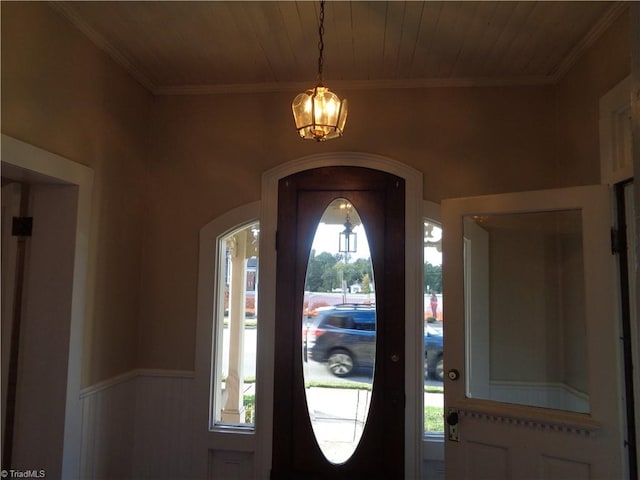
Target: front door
pixel 532 337
pixel 378 199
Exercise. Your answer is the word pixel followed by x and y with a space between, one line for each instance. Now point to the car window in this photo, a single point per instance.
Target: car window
pixel 365 325
pixel 339 321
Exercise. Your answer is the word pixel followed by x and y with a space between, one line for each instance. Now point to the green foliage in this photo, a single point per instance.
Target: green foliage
pixel 321 275
pixel 354 272
pixel 431 389
pixel 366 283
pixel 432 278
pixel 326 272
pixel 433 419
pixel 433 416
pixel 249 402
pixel 248 322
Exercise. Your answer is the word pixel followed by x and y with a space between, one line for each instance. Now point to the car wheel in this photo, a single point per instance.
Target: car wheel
pixel 439 373
pixel 340 363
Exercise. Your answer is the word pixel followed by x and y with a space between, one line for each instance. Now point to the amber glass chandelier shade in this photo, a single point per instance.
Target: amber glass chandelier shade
pixel 319 114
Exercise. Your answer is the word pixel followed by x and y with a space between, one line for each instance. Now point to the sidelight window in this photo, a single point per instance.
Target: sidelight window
pixel 433 330
pixel 235 328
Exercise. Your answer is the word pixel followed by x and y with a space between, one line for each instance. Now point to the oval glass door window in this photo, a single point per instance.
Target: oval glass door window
pixel 339 331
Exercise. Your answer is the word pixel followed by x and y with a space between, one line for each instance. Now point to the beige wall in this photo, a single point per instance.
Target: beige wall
pixel 209 152
pixel 166 166
pixel 61 93
pixel 597 71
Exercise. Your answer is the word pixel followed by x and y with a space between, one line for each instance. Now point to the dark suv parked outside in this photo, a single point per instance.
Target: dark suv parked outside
pixel 344 336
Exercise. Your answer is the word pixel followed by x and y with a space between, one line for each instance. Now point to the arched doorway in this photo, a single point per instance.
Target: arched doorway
pixel 268 344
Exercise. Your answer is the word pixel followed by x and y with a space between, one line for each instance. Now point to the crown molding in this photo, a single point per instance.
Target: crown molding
pixel 98 40
pixel 65 9
pixel 589 39
pixel 352 85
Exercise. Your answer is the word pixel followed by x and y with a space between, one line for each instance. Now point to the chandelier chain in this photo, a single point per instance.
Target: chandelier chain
pixel 318 112
pixel 321 42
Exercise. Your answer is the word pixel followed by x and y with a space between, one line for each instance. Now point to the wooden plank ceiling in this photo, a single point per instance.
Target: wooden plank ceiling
pixel 174 47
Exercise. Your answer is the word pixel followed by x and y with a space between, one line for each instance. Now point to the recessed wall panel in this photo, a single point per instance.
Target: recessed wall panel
pixel 552 468
pixel 486 461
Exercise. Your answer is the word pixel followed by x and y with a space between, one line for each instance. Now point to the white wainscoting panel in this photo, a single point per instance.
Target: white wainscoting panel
pixel 164 425
pixel 108 429
pixel 230 465
pixel 138 425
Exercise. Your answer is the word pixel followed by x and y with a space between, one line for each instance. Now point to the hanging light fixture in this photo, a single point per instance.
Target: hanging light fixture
pixel 319 113
pixel 348 238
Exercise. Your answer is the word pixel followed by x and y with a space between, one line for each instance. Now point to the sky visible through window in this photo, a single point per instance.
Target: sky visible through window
pixel 326 240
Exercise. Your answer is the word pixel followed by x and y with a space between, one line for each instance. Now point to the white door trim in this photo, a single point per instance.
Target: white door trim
pixel 616 156
pixel 205 439
pixel 25 162
pixel 413 298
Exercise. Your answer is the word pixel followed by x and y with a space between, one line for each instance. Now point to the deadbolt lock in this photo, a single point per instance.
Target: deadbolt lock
pixel 453 374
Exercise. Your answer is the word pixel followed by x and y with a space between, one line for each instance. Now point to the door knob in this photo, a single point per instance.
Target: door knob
pixel 452 418
pixel 453 374
pixel 452 424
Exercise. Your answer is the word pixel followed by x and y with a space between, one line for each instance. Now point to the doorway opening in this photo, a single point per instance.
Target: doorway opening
pixel 48 433
pixel 352 335
pixel 625 234
pixel 413 303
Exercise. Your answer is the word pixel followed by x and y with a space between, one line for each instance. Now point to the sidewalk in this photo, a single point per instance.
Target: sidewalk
pixel 339 415
pixel 333 399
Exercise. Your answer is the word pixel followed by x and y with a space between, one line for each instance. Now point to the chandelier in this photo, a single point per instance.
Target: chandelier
pixel 319 113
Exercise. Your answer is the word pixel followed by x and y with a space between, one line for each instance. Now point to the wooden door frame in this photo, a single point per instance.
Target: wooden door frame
pixel 378 198
pixel 413 299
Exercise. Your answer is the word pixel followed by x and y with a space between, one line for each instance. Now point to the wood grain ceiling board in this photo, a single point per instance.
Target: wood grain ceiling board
pixel 183 46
